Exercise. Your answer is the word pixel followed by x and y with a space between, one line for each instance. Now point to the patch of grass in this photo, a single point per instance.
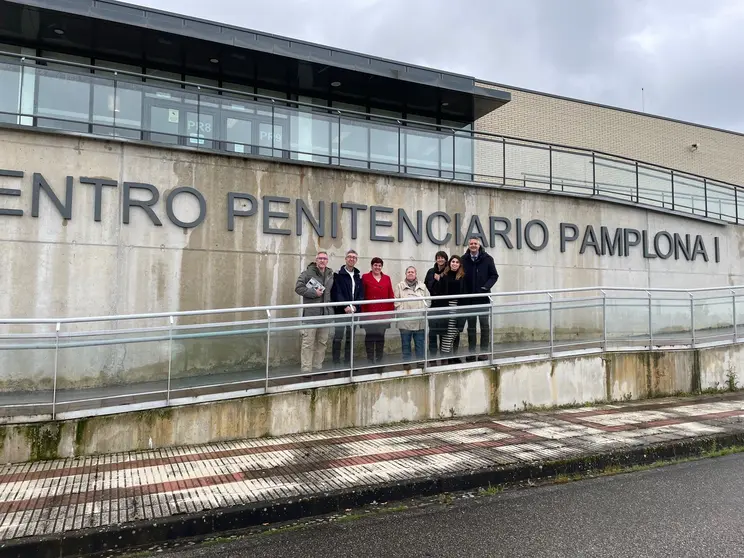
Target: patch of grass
pixel 491 490
pixel 445 499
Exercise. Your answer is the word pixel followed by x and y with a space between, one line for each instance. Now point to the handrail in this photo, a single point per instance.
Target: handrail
pixel 300 306
pixel 655 318
pixel 365 116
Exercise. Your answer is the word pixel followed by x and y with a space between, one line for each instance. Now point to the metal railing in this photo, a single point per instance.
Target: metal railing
pixel 73 367
pixel 107 102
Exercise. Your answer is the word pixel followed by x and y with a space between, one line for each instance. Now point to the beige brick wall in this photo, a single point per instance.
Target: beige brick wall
pixel 720 155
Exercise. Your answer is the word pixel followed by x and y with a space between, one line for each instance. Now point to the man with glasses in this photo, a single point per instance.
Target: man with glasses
pixel 347 287
pixel 314 285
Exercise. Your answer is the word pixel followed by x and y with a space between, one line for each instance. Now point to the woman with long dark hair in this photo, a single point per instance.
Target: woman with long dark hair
pixel 437 321
pixel 454 284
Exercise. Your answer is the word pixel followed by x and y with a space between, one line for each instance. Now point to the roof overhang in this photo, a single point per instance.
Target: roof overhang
pixel 123 32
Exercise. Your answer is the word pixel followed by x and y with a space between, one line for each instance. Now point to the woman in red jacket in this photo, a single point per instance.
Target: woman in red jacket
pixel 377 286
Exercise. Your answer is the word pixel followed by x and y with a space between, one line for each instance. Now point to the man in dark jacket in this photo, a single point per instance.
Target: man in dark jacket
pixel 314 285
pixel 347 287
pixel 480 277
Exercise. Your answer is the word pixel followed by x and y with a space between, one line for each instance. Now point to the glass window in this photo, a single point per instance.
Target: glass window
pixel 464 150
pixel 268 139
pixel 10 92
pixel 164 124
pixel 310 131
pixel 384 141
pixel 238 134
pixel 200 128
pixel 207 95
pixel 117 101
pixel 353 137
pixel 63 99
pixel 266 104
pixel 158 89
pixel 422 149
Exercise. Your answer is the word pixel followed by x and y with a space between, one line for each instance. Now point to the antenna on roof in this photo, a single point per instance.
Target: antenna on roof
pixel 643 101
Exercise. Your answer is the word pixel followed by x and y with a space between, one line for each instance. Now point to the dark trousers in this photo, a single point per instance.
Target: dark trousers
pixel 342 330
pixel 485 327
pixel 435 341
pixel 374 342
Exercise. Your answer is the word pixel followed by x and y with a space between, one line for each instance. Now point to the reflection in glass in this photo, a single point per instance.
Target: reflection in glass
pixel 238 135
pixel 64 98
pixel 383 147
pixel 422 150
pixel 164 124
pixel 118 109
pixel 199 129
pixel 10 78
pixel 354 136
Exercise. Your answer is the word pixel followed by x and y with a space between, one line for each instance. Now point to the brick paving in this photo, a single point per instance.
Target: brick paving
pixel 53 497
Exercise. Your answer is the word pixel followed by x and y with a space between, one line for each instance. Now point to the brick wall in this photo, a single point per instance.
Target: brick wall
pixel 637 136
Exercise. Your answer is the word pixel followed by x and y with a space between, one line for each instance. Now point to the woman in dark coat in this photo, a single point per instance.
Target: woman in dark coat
pixel 454 284
pixel 437 322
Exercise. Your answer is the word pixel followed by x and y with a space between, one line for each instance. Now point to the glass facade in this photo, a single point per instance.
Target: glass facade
pixel 115 100
pixel 93 96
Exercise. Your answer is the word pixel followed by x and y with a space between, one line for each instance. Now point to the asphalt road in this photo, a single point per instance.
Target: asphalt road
pixel 683 510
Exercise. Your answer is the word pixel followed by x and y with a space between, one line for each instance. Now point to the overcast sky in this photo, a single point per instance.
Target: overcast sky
pixel 687 55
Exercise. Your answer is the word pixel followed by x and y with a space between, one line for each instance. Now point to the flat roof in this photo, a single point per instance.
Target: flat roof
pixel 130 19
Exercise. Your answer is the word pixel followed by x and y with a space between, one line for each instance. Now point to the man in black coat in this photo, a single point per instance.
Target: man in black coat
pixel 480 277
pixel 347 287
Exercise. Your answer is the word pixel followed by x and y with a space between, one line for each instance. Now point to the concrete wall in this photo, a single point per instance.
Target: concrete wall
pixel 479 391
pixel 638 136
pixel 55 267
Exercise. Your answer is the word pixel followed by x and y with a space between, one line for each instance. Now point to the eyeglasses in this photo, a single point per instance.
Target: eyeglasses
pixel 322 258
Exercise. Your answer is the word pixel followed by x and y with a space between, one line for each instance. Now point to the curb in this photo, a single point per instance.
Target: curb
pixel 133 536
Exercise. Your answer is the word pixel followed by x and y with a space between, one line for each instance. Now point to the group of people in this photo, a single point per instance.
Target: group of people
pixel 472 273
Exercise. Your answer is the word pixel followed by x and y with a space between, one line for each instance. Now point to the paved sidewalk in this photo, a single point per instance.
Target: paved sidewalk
pixel 56 497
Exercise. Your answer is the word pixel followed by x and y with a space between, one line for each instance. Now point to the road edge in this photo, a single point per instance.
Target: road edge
pixel 135 536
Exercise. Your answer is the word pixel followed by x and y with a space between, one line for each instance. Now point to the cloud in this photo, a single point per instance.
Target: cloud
pixel 685 54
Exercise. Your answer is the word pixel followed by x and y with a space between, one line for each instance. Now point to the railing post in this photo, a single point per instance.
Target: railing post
pixel 503 158
pixel 339 143
pixel 733 309
pixel 650 323
pixel 116 88
pixel 170 359
pixel 56 365
pixel 351 352
pixel 454 141
pixel 604 320
pixel 705 194
pixel 550 321
pixel 594 176
pixel 736 205
pixel 672 174
pixel 198 122
pixel 550 167
pixel 490 323
pixel 692 316
pixel 271 135
pixel 426 336
pixel 268 347
pixel 638 187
